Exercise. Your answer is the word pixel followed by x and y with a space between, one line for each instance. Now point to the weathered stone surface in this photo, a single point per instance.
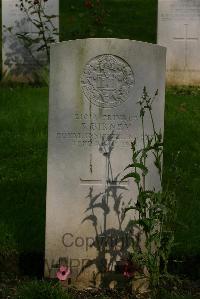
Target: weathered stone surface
pixel 178 30
pixel 95 85
pixel 19 62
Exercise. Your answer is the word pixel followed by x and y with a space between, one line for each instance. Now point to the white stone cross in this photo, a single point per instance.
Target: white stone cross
pixel 186 39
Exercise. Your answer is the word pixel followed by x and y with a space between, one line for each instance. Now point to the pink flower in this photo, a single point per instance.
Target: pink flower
pixel 63 273
pixel 127 274
pixel 88 3
pixel 128 270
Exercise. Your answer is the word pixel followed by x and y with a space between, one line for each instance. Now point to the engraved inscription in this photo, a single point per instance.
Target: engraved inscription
pixel 91 130
pixel 106 81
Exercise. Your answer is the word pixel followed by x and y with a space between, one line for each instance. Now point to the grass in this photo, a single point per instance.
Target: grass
pixel 42 290
pixel 182 137
pixel 167 295
pixel 45 289
pixel 23 139
pixel 132 19
pixel 8 244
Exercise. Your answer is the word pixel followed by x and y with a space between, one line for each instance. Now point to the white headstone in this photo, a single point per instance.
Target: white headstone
pixel 19 62
pixel 179 31
pixel 95 85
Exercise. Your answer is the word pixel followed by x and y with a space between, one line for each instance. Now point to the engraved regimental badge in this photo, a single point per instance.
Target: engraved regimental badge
pixel 106 80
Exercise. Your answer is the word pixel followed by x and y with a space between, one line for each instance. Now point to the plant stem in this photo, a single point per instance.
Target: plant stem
pixel 43 32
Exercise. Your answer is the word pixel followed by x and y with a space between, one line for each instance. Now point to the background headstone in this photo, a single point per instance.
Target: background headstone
pixel 179 31
pixel 95 85
pixel 22 63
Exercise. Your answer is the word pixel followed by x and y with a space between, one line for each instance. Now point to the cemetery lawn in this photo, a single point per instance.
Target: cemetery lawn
pixel 23 151
pixel 132 19
pixel 23 154
pixel 182 140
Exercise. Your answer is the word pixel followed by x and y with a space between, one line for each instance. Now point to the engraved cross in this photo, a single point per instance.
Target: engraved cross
pixel 186 39
pixel 109 180
pixel 99 182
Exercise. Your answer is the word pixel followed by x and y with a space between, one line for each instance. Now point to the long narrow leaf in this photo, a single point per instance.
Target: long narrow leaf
pixel 138 165
pixel 134 175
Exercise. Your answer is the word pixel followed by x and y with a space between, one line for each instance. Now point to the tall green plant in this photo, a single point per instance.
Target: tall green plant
pixel 35 13
pixel 155 208
pixel 28 53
